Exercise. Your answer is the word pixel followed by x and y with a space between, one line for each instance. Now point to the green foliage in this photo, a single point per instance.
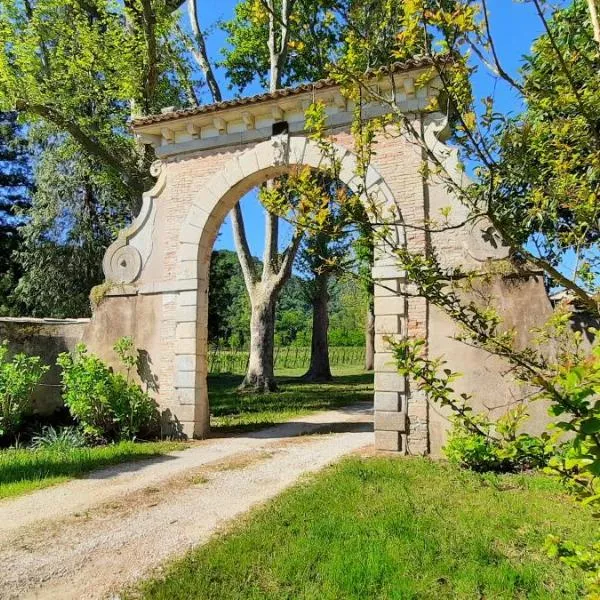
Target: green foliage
pixel 475 441
pixel 497 446
pixel 315 34
pixel 18 377
pixel 229 308
pixel 15 189
pixel 84 68
pixel 106 404
pixel 536 191
pixel 59 439
pixel 76 210
pixel 76 73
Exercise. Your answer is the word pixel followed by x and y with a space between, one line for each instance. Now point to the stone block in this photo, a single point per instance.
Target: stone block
pixel 390 305
pixel 187 313
pixel 185 396
pixel 186 362
pixel 388 272
pixel 248 163
pixel 189 234
pixel 388 324
pixel 390 421
pixel 233 172
pixel 189 298
pixel 186 346
pixel 185 330
pixel 185 379
pixel 384 259
pixel 197 216
pixel 389 382
pixel 381 341
pixel 389 441
pixel 385 363
pixel 390 401
pixel 297 149
pixel 387 287
pixel 187 252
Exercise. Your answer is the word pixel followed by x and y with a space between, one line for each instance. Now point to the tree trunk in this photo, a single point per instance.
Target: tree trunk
pixel 260 376
pixel 320 369
pixel 370 336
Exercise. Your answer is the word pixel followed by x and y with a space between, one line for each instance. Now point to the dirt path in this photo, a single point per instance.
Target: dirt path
pixel 90 537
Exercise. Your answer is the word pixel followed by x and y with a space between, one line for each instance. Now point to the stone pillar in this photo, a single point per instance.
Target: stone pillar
pixel 390 323
pixel 191 393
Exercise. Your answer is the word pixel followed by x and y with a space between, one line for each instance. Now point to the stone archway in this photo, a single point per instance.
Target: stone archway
pixel 157 269
pixel 205 215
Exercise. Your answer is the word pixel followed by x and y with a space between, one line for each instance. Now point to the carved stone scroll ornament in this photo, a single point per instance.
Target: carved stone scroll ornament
pixel 123 261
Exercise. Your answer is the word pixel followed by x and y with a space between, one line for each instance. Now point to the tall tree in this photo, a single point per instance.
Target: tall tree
pixel 77 72
pixel 75 211
pixel 15 191
pixel 325 253
pixel 261 35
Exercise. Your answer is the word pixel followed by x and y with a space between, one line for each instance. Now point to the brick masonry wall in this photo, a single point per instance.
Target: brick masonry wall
pixel 200 188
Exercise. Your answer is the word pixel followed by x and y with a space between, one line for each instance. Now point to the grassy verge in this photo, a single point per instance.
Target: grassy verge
pixel 23 470
pixel 393 529
pixel 232 410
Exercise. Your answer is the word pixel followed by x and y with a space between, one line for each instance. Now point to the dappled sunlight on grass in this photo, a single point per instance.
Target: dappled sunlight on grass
pixel 233 410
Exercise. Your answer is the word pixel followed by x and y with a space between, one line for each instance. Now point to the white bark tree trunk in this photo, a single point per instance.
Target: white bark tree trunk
pixel 277 267
pixel 259 375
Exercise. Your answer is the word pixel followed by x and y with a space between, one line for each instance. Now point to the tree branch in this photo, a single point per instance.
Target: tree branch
pixel 201 54
pixel 242 248
pixel 133 180
pixel 270 252
pixel 288 257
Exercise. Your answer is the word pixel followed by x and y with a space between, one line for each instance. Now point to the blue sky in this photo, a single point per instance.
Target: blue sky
pixel 514 26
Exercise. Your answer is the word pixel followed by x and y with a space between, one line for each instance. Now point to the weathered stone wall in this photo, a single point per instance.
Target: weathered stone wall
pixel 46 338
pixel 139 317
pixel 522 303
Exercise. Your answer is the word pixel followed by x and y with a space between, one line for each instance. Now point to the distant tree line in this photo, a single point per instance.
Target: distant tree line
pixel 229 308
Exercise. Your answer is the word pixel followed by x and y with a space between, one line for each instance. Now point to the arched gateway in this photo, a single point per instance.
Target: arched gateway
pixel 157 270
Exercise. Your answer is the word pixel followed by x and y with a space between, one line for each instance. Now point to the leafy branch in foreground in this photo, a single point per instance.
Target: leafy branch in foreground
pixel 536 191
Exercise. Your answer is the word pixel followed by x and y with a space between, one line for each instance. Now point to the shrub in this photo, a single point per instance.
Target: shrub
pixel 107 404
pixel 482 445
pixel 60 439
pixel 18 377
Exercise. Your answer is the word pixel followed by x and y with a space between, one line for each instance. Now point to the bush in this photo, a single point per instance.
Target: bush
pixel 60 439
pixel 18 377
pixel 107 404
pixel 487 446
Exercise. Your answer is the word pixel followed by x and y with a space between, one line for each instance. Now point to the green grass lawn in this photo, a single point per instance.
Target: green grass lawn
pixel 24 470
pixel 232 410
pixel 390 529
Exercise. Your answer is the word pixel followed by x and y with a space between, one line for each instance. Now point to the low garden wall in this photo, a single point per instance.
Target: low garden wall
pixel 46 338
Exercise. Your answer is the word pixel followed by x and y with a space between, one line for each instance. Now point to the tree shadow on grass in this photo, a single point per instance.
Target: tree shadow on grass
pixel 26 465
pixel 238 411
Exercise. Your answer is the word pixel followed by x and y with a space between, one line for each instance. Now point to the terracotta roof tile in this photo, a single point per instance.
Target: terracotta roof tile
pixel 398 67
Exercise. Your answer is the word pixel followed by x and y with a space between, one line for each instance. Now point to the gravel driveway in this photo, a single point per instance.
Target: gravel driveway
pixel 90 537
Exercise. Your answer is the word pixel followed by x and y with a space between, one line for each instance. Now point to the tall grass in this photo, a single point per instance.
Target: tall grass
pixel 25 470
